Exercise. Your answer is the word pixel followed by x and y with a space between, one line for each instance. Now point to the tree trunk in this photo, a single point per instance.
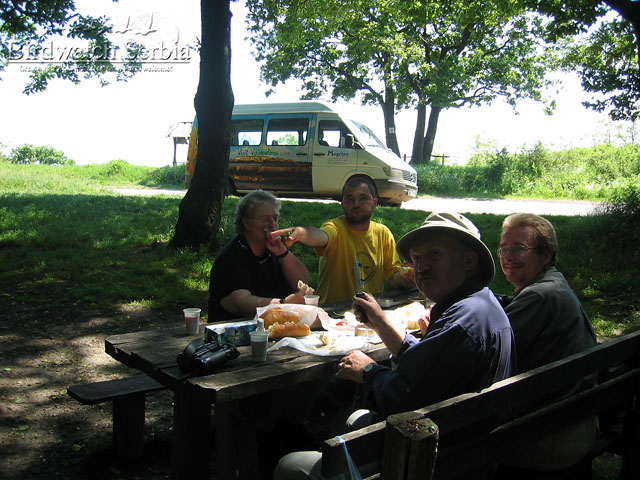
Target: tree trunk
pixel 200 209
pixel 630 11
pixel 389 108
pixel 430 137
pixel 418 137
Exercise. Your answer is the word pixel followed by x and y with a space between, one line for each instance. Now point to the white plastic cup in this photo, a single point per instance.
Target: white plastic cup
pixel 385 302
pixel 192 320
pixel 311 299
pixel 259 345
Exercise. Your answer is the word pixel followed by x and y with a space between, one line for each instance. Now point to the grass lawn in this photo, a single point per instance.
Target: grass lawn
pixel 79 262
pixel 67 242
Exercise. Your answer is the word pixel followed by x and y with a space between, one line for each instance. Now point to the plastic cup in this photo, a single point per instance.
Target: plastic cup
pixel 385 302
pixel 192 320
pixel 259 345
pixel 311 299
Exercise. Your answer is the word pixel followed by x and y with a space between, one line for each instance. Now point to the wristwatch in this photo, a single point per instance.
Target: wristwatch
pixel 369 367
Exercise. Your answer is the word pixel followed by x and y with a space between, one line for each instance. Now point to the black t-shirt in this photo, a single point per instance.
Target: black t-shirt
pixel 237 268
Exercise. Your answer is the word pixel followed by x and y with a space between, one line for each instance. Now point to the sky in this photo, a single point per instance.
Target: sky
pixel 131 120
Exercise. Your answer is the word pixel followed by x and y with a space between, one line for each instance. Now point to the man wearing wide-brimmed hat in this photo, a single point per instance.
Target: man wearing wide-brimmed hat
pixel 467 343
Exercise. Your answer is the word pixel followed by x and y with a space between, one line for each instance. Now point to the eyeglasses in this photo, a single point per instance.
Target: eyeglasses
pixel 267 219
pixel 516 251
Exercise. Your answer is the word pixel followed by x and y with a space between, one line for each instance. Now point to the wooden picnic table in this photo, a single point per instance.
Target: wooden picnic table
pixel 154 353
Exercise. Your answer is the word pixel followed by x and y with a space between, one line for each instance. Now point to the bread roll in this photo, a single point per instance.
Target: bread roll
pixel 278 315
pixel 279 330
pixel 328 339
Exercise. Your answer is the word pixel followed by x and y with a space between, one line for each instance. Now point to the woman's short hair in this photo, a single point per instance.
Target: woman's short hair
pixel 247 205
pixel 545 236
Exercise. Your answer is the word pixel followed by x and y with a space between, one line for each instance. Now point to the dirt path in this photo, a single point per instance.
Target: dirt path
pixel 497 206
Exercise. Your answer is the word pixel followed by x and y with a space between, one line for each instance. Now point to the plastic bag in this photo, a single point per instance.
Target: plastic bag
pixel 353 469
pixel 309 314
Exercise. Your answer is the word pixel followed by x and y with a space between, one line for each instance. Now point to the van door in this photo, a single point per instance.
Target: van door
pixel 280 162
pixel 334 158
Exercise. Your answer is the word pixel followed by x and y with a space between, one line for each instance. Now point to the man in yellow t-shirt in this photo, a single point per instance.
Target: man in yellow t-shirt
pixel 353 235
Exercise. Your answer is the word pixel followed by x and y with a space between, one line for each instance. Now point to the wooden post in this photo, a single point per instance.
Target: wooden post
pixel 410 447
pixel 175 144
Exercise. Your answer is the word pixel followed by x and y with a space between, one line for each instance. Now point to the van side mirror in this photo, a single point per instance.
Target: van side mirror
pixel 348 140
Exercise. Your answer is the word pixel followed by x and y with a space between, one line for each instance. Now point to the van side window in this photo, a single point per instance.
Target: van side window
pixel 287 131
pixel 332 133
pixel 246 131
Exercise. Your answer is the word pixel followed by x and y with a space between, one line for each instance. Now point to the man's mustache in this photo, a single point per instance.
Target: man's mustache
pixel 426 276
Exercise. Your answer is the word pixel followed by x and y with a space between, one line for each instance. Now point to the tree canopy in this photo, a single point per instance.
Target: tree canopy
pixel 605 51
pixel 414 54
pixel 25 27
pixel 403 54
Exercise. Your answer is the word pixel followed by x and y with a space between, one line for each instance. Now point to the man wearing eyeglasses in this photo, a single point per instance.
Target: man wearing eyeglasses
pixel 548 323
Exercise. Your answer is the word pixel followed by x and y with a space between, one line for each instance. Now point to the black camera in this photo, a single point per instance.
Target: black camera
pixel 201 357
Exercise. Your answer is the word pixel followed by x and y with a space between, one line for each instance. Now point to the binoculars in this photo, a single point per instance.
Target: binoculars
pixel 201 357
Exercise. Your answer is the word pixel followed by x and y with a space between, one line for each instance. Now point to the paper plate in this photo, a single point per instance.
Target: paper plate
pixel 314 346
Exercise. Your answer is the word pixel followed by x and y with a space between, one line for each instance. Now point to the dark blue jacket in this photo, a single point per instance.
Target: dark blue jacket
pixel 468 346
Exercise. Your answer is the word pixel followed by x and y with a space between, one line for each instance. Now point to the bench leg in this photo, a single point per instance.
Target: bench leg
pixel 128 426
pixel 631 441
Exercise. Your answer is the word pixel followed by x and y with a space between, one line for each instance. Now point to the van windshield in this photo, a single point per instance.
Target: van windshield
pixel 365 134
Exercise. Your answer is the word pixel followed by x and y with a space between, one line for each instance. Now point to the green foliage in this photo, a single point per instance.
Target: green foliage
pixel 579 173
pixel 3 157
pixel 607 60
pixel 43 155
pixel 416 53
pixel 25 27
pixel 624 211
pixel 166 176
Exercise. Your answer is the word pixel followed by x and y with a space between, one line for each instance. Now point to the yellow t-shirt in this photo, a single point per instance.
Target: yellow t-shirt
pixel 376 253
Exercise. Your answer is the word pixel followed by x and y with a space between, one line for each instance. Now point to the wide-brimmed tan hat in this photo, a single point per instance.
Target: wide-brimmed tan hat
pixel 455 224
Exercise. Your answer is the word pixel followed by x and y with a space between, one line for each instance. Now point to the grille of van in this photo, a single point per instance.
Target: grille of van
pixel 409 176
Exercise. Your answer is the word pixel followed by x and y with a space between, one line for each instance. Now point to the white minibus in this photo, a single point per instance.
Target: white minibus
pixel 307 149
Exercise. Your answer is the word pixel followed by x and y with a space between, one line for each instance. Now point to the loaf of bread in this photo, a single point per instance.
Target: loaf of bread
pixel 280 330
pixel 279 315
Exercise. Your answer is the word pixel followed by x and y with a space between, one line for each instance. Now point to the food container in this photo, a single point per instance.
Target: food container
pixel 236 333
pixel 385 302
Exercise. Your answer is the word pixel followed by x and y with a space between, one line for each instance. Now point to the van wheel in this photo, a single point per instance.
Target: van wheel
pixel 230 189
pixel 385 202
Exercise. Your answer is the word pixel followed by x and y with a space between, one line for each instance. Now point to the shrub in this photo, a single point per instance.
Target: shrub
pixel 3 157
pixel 44 155
pixel 169 175
pixel 624 218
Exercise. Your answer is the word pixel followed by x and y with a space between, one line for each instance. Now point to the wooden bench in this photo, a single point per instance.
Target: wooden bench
pixel 475 431
pixel 128 402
